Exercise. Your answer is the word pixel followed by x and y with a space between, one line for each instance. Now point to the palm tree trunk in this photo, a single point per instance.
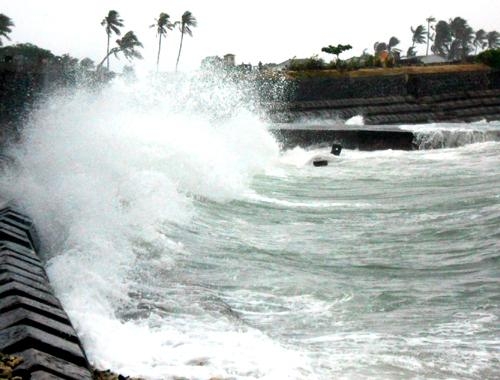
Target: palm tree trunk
pixel 103 60
pixel 107 52
pixel 158 58
pixel 180 48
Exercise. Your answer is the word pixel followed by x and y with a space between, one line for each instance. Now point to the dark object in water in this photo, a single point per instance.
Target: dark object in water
pixel 320 163
pixel 336 149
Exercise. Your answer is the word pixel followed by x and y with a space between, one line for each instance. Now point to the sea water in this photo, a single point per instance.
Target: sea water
pixel 183 243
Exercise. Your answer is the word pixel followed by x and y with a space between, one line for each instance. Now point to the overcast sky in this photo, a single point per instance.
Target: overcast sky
pixel 256 30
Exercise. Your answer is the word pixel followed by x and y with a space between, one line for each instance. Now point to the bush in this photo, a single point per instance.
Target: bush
pixel 312 63
pixel 490 57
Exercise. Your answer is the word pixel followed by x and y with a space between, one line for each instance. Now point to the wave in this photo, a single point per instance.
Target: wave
pixel 435 136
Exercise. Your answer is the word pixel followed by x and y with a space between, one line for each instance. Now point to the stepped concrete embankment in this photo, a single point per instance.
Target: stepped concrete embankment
pixel 401 98
pixel 33 324
pixel 465 93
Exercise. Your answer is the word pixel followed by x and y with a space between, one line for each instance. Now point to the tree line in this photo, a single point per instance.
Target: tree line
pixel 127 45
pixel 453 40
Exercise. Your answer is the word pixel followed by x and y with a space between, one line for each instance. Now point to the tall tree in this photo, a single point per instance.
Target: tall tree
pixel 429 20
pixel 442 39
pixel 162 25
pixel 463 36
pixel 127 45
pixel 187 22
pixel 112 22
pixel 493 39
pixel 5 27
pixel 418 36
pixel 480 40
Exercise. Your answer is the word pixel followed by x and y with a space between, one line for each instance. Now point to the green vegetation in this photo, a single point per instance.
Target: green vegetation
pixel 162 25
pixel 112 23
pixel 127 46
pixel 430 20
pixel 29 55
pixel 187 22
pixel 454 40
pixel 389 47
pixel 337 50
pixel 419 34
pixel 29 52
pixel 5 27
pixel 490 57
pixel 493 39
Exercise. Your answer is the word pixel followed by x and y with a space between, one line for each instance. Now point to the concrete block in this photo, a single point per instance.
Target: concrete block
pixel 20 338
pixel 41 361
pixel 7 268
pixel 7 277
pixel 16 301
pixel 20 316
pixel 32 261
pixel 28 252
pixel 6 234
pixel 9 260
pixel 17 289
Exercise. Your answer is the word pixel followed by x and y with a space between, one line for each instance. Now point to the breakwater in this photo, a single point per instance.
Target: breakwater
pixel 33 324
pixel 394 99
pixel 361 138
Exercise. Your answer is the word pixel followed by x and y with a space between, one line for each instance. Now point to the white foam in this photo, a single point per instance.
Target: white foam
pixel 355 120
pixel 100 172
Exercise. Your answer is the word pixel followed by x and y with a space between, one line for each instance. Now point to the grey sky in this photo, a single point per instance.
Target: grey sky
pixel 257 30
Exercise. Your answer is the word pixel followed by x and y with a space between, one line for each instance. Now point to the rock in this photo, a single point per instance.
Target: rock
pixel 7 365
pixel 320 163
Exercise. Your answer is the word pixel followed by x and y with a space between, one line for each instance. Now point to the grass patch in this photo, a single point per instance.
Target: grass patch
pixel 387 71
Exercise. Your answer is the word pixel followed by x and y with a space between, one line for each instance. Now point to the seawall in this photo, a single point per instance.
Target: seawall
pixel 33 324
pixel 468 95
pixel 361 138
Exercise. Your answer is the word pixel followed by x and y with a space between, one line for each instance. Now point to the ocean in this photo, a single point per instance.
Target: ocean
pixel 184 244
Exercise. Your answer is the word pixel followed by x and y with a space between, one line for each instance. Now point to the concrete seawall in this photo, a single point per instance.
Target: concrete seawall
pixel 376 137
pixel 33 324
pixel 361 138
pixel 394 99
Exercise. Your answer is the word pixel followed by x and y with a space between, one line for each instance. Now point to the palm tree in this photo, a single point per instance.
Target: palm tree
pixel 379 47
pixel 162 25
pixel 411 52
pixel 480 40
pixel 187 22
pixel 112 22
pixel 5 27
pixel 463 37
pixel 418 36
pixel 429 20
pixel 442 39
pixel 493 39
pixel 126 45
